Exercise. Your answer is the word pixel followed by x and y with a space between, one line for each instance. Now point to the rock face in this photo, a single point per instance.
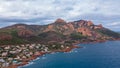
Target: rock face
pixel 5 37
pixel 59 20
pixel 90 23
pixel 25 33
pixel 59 31
pixel 49 28
pixel 82 26
pixel 84 31
pixel 20 27
pixel 22 30
pixel 98 26
pixel 67 28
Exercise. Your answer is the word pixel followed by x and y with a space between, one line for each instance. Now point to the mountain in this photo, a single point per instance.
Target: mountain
pixel 59 31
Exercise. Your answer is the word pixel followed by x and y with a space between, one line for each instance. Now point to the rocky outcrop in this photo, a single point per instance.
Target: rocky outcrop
pixel 22 30
pixel 59 20
pixel 49 28
pixel 4 36
pixel 81 23
pixel 25 33
pixel 98 26
pixel 20 27
pixel 90 23
pixel 60 31
pixel 71 27
pixel 84 31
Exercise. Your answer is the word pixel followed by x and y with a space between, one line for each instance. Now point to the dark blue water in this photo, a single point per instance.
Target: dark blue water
pixel 97 55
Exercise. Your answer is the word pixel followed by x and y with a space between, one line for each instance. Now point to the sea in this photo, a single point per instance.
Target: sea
pixel 92 55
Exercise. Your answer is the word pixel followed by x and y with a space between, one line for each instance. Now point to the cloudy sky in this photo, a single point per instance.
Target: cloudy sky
pixel 42 12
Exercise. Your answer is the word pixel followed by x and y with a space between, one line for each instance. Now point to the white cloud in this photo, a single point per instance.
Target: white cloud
pixel 114 24
pixel 26 8
pixel 67 9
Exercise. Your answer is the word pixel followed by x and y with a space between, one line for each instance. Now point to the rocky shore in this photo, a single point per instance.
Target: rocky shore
pixel 26 61
pixel 13 56
pixel 67 49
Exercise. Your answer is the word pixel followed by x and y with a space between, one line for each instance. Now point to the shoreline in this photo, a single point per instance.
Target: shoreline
pixel 26 61
pixel 75 45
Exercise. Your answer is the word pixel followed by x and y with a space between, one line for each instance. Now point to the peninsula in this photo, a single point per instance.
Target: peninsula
pixel 21 43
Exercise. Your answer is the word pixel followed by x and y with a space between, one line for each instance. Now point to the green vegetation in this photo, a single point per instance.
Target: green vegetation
pixel 12 41
pixel 51 36
pixel 108 33
pixel 15 39
pixel 70 41
pixel 34 39
pixel 14 33
pixel 77 36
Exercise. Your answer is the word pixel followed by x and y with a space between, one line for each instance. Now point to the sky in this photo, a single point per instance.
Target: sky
pixel 43 12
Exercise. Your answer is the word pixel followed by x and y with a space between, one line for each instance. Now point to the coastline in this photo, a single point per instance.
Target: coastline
pixel 26 61
pixel 75 45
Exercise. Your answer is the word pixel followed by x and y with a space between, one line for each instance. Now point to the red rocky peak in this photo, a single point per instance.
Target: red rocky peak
pixel 59 20
pixel 90 23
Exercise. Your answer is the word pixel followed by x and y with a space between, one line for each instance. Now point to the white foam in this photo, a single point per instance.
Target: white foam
pixel 43 57
pixel 36 59
pixel 76 51
pixel 29 63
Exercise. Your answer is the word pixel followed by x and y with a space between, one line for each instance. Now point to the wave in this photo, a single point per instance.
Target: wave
pixel 43 57
pixel 29 63
pixel 36 59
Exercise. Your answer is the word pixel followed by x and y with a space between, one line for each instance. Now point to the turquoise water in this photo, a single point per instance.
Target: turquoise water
pixel 97 55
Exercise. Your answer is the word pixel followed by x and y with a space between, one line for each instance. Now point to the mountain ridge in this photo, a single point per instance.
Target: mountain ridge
pixel 58 31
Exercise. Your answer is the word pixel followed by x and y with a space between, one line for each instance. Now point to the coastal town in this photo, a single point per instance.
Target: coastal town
pixel 12 56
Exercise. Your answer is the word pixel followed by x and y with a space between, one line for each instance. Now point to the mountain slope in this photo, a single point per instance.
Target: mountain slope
pixel 59 31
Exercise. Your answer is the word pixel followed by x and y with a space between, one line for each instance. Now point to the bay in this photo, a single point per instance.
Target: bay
pixel 93 55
